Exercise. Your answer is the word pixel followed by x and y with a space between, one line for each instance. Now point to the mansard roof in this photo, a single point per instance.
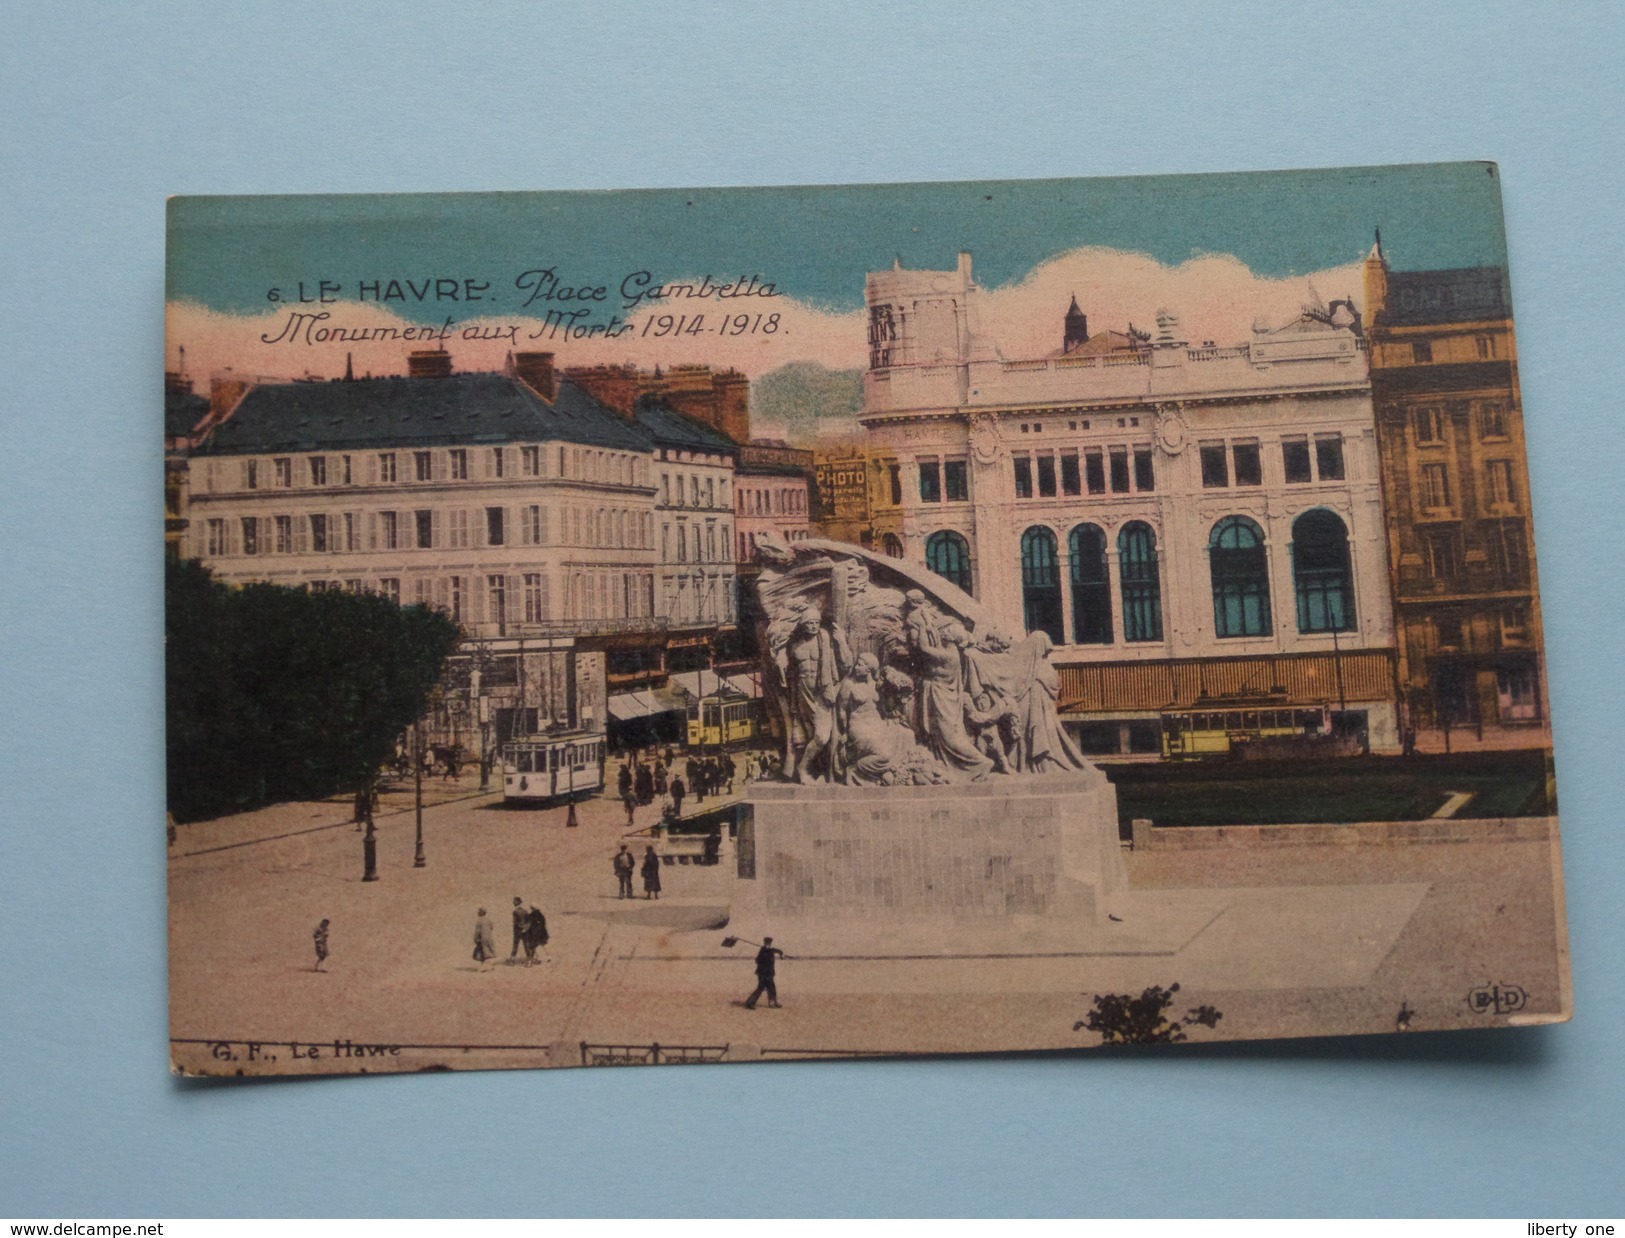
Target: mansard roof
pixel 1460 294
pixel 417 412
pixel 182 411
pixel 669 428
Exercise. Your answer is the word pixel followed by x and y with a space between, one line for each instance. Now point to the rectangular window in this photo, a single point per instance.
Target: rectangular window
pixel 1295 459
pixel 388 531
pixel 496 462
pixel 496 602
pixel 1444 554
pixel 454 598
pixel 955 482
pixel 1024 477
pixel 318 470
pixel 217 537
pixel 251 474
pixel 1508 549
pixel 930 482
pixel 531 530
pixel 1492 419
pixel 347 476
pixel 1215 470
pixel 1071 480
pixel 710 491
pixel 1501 489
pixel 1249 467
pixel 284 471
pixel 354 585
pixel 895 472
pixel 386 466
pixel 1329 458
pixel 352 534
pixel 318 533
pixel 535 598
pixel 457 529
pixel 457 459
pixel 1046 476
pixel 424 520
pixel 284 535
pixel 1145 477
pixel 530 461
pixel 1429 425
pixel 1422 352
pixel 1486 347
pixel 1435 486
pixel 390 587
pixel 493 526
pixel 1118 458
pixel 1094 472
pixel 422 466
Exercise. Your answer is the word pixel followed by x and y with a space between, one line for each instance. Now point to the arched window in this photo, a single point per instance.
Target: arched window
pixel 1091 587
pixel 1141 582
pixel 1322 573
pixel 948 555
pixel 893 546
pixel 1241 578
pixel 1041 583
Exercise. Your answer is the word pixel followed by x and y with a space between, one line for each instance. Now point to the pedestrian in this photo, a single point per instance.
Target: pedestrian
pixel 485 939
pixel 651 873
pixel 625 865
pixel 453 764
pixel 320 936
pixel 631 803
pixel 535 934
pixel 660 778
pixel 623 782
pixel 521 918
pixel 645 785
pixel 678 790
pixel 766 958
pixel 729 771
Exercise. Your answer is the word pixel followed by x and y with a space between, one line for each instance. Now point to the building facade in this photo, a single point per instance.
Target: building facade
pixel 772 495
pixel 694 499
pixel 518 505
pixel 1444 376
pixel 1189 523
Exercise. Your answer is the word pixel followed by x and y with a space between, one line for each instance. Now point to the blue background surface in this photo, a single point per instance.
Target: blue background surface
pixel 111 107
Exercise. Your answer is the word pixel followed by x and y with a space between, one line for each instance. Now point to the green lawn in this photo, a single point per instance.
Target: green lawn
pixel 1227 792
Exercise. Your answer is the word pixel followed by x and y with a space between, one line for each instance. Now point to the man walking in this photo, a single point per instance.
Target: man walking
pixel 320 936
pixel 521 921
pixel 766 958
pixel 678 790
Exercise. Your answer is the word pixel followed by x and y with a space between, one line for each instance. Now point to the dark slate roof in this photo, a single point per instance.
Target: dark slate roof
pixel 1463 294
pixel 417 412
pixel 669 428
pixel 182 411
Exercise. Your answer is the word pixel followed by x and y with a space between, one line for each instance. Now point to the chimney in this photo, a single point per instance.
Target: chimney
pixel 613 386
pixel 964 266
pixel 535 370
pixel 429 363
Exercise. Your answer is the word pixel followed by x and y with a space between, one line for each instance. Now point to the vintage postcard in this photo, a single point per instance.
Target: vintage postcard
pixel 718 625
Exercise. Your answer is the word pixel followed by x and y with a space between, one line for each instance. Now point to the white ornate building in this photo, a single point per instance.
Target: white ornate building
pixel 1189 523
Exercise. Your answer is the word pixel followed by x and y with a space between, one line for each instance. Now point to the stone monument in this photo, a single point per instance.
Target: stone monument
pixel 926 780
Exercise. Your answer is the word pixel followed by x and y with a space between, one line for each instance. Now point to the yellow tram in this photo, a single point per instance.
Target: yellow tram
pixel 1217 728
pixel 719 720
pixel 562 766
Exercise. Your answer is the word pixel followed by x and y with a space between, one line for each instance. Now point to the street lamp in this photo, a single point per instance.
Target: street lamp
pixel 417 787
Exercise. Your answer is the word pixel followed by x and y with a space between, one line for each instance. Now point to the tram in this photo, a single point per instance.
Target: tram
pixel 717 721
pixel 552 768
pixel 1230 727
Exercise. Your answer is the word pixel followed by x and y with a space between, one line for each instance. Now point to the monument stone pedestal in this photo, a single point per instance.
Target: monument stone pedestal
pixel 1005 863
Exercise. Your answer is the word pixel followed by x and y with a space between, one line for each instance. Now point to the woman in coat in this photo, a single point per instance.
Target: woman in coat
pixel 651 873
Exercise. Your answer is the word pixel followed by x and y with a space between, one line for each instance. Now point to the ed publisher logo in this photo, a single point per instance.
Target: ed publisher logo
pixel 1497 999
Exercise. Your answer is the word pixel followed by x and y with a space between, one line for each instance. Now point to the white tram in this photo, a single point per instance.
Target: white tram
pixel 565 765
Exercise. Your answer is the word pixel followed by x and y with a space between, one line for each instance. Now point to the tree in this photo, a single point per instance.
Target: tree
pixel 277 694
pixel 1124 1020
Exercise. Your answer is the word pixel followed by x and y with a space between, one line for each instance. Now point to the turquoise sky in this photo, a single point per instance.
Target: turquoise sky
pixel 816 243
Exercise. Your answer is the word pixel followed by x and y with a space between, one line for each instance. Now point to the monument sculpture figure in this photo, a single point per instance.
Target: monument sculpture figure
pixel 885 674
